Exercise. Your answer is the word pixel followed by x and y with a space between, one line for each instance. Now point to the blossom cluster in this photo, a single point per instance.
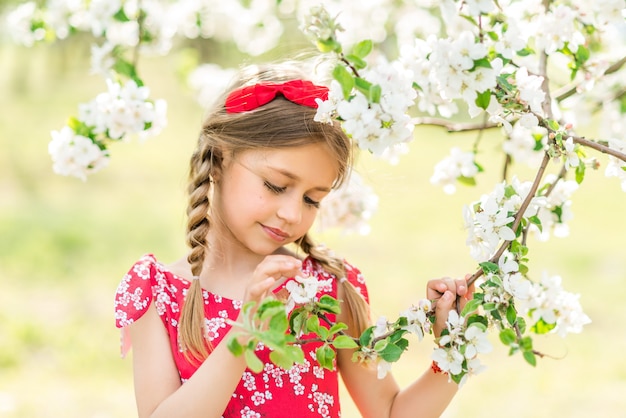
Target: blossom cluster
pixel 382 127
pixel 75 155
pixel 489 221
pixel 123 110
pixel 304 290
pixel 348 207
pixel 545 304
pixel 459 347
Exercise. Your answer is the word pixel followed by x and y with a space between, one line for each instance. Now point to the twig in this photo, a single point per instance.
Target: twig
pixel 454 126
pixel 599 147
pixel 518 216
pixel 568 91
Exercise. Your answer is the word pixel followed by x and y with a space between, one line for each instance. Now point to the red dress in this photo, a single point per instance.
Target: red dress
pixel 305 390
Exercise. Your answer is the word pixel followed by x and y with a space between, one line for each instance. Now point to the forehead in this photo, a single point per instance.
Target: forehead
pixel 312 162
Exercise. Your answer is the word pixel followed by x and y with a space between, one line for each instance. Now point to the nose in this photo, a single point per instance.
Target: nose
pixel 290 209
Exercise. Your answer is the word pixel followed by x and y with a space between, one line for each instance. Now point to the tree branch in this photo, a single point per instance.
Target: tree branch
pixel 599 147
pixel 454 126
pixel 569 91
pixel 518 216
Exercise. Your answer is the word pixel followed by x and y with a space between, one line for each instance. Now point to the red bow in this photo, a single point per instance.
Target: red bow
pixel 302 92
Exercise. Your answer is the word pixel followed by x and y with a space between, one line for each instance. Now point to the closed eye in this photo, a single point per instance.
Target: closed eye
pixel 274 188
pixel 278 190
pixel 311 202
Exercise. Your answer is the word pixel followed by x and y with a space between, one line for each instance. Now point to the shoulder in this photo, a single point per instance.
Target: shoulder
pixel 146 280
pixel 356 279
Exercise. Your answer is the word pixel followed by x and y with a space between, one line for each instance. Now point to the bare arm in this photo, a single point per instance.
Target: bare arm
pixel 158 390
pixel 428 396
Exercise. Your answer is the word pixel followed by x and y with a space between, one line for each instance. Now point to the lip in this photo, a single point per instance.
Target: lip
pixel 275 233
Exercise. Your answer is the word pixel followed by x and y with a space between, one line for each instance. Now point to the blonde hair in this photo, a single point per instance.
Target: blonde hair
pixel 278 124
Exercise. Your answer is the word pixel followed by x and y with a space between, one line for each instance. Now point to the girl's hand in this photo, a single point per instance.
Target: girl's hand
pixel 270 273
pixel 444 293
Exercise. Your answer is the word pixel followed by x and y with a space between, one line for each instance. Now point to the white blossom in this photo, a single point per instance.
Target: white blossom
pixel 349 207
pixel 75 155
pixel 570 155
pixel 450 169
pixel 530 89
pixel 476 342
pixel 303 290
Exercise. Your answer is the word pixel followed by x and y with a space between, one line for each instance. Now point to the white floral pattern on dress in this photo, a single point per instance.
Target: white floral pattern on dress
pixel 305 390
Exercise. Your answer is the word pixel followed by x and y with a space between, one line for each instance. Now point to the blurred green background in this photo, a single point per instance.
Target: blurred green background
pixel 65 245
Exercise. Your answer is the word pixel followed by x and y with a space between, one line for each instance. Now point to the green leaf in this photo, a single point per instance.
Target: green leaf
pixel 507 336
pixel 478 321
pixel 269 307
pixel 468 181
pixel 234 346
pixel 362 85
pixel 127 69
pixel 343 341
pixel 281 359
pixel 524 52
pixel 470 306
pixel 279 322
pixel 403 344
pixel 456 378
pixel 362 49
pixel 482 62
pixel 483 99
pixel 120 16
pixel 397 335
pixel 580 172
pixel 254 363
pixel 521 324
pixel 511 314
pixel 542 327
pixel 328 303
pixel 366 337
pixel 313 324
pixel 357 62
pixel 375 93
pixel 554 125
pixel 345 79
pixel 535 220
pixel 381 345
pixel 297 320
pixel 323 333
pixel 391 353
pixel 296 353
pixel 339 326
pixel 582 54
pixel 530 358
pixel 489 267
pixel 325 356
pixel 328 45
pixel 526 344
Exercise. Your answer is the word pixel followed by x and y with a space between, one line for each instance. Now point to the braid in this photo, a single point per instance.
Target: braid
pixel 357 309
pixel 192 340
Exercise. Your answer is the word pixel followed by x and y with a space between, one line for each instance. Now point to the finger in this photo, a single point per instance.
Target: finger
pixel 258 290
pixel 277 266
pixel 437 287
pixel 461 287
pixel 442 308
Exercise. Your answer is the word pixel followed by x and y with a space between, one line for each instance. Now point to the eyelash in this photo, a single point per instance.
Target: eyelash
pixel 277 190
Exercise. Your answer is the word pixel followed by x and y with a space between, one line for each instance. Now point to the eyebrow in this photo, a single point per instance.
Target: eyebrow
pixel 292 176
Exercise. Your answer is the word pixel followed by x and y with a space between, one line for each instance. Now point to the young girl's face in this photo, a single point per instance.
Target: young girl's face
pixel 269 198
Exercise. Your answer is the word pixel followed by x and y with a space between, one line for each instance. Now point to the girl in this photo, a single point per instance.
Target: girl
pixel 261 168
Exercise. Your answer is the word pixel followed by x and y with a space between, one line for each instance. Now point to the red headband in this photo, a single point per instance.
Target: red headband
pixel 302 92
